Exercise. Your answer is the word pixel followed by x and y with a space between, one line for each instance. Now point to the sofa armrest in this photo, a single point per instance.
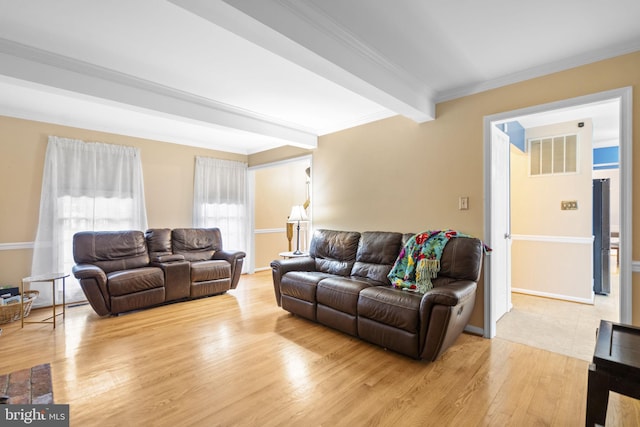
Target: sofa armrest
pixel 450 294
pixel 90 271
pixel 280 267
pixel 236 259
pixel 159 259
pixel 444 313
pixel 284 266
pixel 177 277
pixel 230 256
pixel 93 281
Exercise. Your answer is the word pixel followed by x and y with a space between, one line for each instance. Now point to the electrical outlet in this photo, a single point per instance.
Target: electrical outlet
pixel 569 205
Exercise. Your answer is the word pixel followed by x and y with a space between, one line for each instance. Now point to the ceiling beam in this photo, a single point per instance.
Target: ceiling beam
pixel 306 36
pixel 62 73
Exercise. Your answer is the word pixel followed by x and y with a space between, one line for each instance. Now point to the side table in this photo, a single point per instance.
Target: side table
pixel 290 254
pixel 615 367
pixel 50 277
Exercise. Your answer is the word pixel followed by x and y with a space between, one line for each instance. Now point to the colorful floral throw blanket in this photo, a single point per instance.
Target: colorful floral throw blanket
pixel 419 260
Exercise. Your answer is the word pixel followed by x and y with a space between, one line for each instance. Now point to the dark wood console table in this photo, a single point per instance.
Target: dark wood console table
pixel 615 367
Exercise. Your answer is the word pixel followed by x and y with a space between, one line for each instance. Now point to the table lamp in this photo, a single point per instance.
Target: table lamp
pixel 297 214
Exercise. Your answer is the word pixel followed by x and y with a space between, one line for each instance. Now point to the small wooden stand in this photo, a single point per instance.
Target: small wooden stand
pixel 615 367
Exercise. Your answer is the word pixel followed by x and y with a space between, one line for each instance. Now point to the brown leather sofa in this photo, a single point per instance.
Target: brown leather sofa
pixel 121 271
pixel 343 284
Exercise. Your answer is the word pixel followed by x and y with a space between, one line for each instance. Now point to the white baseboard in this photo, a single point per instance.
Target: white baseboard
pixel 474 330
pixel 554 296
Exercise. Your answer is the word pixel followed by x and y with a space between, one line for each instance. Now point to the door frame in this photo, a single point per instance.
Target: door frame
pixel 624 95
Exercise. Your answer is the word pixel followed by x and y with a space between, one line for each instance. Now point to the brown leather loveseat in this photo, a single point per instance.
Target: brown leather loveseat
pixel 121 271
pixel 343 284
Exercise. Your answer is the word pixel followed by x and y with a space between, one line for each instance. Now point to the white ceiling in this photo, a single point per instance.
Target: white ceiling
pixel 249 75
pixel 605 118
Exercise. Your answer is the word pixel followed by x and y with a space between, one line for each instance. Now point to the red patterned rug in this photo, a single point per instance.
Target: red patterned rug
pixel 28 386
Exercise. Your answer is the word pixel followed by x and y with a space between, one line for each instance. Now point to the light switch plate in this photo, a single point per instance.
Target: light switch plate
pixel 463 203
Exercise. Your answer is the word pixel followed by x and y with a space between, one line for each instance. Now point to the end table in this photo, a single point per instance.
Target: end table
pixel 50 277
pixel 615 367
pixel 291 254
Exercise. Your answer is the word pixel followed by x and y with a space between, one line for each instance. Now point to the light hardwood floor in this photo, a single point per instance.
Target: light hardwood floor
pixel 238 359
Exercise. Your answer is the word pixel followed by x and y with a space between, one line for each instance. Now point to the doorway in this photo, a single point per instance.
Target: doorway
pixel 276 188
pixel 495 229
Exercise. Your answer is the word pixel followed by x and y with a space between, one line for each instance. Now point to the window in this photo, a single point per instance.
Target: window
pixel 553 155
pixel 85 186
pixel 220 200
pixel 90 213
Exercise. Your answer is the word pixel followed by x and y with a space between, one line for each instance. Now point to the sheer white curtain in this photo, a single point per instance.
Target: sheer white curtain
pixel 85 186
pixel 220 200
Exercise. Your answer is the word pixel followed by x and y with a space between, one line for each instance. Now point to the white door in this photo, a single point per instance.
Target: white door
pixel 500 258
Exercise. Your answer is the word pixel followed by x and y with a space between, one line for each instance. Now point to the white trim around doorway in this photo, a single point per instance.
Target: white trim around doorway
pixel 624 95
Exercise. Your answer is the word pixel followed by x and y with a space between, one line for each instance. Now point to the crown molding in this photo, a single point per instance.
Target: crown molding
pixel 325 24
pixel 89 81
pixel 543 70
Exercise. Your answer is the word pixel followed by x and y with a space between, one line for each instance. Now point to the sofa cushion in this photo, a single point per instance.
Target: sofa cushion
pixel 137 280
pixel 461 260
pixel 301 284
pixel 196 244
pixel 377 252
pixel 390 306
pixel 111 250
pixel 341 293
pixel 334 251
pixel 210 270
pixel 158 241
pixel 210 287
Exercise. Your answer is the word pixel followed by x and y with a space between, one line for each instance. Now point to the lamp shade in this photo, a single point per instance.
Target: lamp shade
pixel 297 214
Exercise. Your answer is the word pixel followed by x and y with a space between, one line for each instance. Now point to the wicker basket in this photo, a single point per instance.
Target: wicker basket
pixel 11 312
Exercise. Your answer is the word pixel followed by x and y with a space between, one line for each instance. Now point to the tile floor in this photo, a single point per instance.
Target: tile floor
pixel 562 327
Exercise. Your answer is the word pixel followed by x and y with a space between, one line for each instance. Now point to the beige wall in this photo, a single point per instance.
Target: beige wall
pixel 543 234
pixel 535 200
pixel 277 189
pixel 553 269
pixel 168 176
pixel 398 175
